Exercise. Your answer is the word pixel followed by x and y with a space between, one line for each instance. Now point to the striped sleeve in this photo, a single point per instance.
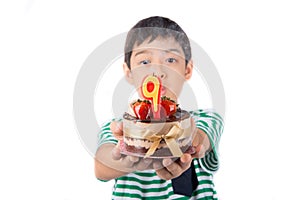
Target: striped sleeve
pixel 105 135
pixel 212 124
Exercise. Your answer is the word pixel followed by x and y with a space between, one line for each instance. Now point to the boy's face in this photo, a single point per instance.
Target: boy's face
pixel 163 58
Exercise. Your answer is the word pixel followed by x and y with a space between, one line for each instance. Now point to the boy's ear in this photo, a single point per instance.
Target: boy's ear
pixel 189 70
pixel 127 73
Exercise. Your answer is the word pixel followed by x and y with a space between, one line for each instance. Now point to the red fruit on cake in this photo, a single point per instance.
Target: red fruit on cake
pixel 141 109
pixel 168 107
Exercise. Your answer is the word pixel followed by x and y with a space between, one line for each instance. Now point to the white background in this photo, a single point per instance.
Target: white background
pixel 254 45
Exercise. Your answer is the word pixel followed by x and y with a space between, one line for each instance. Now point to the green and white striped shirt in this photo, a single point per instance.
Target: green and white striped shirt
pixel 147 185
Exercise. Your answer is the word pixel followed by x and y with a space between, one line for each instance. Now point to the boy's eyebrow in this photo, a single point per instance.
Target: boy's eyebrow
pixel 141 52
pixel 173 50
pixel 168 51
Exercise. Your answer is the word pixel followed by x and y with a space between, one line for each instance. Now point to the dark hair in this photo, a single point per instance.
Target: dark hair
pixel 155 27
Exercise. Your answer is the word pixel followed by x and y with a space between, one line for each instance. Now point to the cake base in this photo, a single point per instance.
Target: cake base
pixel 159 153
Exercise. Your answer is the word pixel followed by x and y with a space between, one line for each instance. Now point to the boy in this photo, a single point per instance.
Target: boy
pixel 158 46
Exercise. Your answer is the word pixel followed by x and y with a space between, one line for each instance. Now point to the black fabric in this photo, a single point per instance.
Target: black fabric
pixel 186 183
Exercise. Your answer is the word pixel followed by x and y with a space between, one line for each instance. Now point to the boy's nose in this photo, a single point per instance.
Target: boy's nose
pixel 158 72
pixel 162 75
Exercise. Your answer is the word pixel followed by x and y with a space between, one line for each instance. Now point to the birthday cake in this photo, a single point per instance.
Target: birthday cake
pixel 149 136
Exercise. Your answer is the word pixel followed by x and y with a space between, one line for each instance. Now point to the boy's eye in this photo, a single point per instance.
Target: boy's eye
pixel 171 60
pixel 145 62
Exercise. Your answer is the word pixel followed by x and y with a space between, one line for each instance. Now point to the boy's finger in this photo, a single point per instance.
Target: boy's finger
pixel 129 161
pixel 116 153
pixel 175 169
pixel 197 150
pixel 157 165
pixel 164 174
pixel 116 126
pixel 117 129
pixel 133 159
pixel 143 164
pixel 200 152
pixel 167 161
pixel 186 158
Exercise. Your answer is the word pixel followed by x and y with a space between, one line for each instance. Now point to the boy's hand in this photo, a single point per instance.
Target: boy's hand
pixel 133 162
pixel 200 142
pixel 168 169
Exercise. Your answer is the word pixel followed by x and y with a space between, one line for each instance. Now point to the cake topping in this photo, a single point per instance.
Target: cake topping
pixel 143 109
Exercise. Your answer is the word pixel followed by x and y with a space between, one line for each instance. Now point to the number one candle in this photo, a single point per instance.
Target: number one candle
pixel 151 90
